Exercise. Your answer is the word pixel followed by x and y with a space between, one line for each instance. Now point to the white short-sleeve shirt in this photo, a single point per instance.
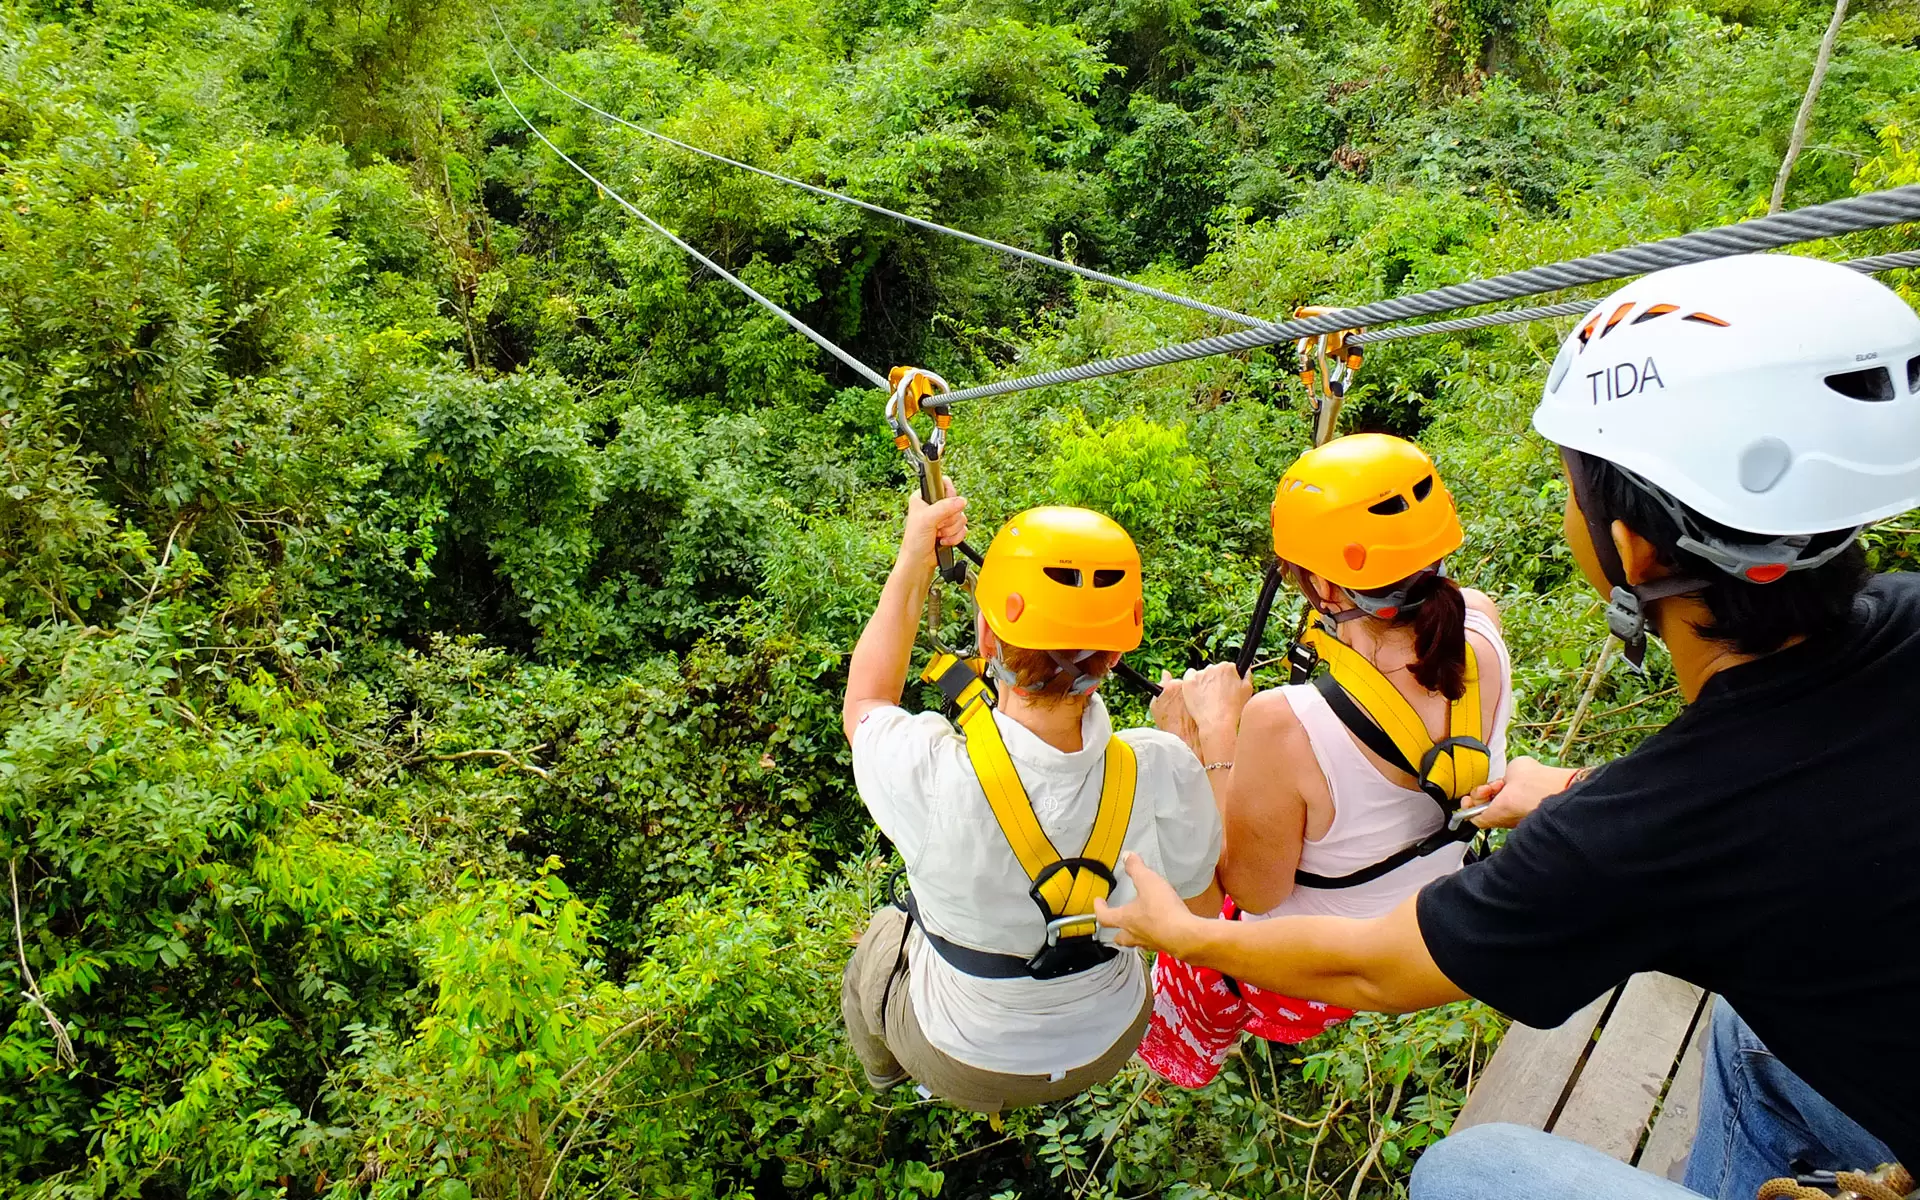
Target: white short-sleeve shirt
pixel 914 775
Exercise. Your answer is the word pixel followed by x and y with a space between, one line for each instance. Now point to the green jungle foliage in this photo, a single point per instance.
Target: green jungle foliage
pixel 424 594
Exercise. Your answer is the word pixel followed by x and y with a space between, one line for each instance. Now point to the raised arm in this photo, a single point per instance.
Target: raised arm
pixel 878 672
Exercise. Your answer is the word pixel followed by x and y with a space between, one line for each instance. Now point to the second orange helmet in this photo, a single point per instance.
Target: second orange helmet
pixel 1364 512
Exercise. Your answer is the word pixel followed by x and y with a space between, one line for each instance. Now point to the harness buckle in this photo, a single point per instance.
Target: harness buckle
pixel 1059 925
pixel 1069 958
pixel 1301 661
pixel 1068 953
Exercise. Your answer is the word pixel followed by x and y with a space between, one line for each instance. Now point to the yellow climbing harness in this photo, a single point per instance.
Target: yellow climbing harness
pixel 1456 764
pixel 1064 888
pixel 1368 704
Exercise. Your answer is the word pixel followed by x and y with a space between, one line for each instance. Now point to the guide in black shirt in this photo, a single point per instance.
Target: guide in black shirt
pixel 1727 429
pixel 1765 846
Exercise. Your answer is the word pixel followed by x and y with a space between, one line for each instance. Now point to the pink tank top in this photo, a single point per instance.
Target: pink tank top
pixel 1373 817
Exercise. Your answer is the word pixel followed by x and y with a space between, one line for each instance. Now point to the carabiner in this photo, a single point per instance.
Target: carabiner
pixel 1462 816
pixel 917 390
pixel 1327 364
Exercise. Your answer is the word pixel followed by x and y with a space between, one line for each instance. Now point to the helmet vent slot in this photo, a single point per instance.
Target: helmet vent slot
pixel 1423 489
pixel 1069 576
pixel 1913 374
pixel 1874 383
pixel 1106 577
pixel 1390 506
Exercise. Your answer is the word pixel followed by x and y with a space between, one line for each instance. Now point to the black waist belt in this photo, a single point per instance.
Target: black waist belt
pixel 1438 840
pixel 1082 953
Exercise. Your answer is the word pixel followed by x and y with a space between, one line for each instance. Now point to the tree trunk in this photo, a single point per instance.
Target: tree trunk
pixel 1804 117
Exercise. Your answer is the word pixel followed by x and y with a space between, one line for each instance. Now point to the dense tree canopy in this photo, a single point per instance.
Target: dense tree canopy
pixel 424 593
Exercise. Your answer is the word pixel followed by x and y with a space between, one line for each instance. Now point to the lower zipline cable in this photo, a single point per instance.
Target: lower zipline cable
pixel 1225 314
pixel 1856 213
pixel 819 339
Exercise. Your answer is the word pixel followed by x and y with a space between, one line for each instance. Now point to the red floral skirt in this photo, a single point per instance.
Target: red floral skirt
pixel 1198 1014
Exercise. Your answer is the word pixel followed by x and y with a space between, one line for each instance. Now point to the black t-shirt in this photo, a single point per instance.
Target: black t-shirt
pixel 1765 846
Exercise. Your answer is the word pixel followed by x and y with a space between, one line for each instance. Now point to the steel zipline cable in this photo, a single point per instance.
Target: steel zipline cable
pixel 1225 314
pixel 1574 308
pixel 819 339
pixel 1872 211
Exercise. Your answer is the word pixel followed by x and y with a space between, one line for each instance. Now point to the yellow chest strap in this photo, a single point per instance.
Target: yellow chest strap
pixel 1064 887
pixel 1456 765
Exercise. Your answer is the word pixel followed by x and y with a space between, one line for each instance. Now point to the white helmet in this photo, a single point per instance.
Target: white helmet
pixel 1774 394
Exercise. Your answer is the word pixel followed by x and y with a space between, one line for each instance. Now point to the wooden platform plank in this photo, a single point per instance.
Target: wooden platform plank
pixel 1672 1136
pixel 1613 1099
pixel 1528 1074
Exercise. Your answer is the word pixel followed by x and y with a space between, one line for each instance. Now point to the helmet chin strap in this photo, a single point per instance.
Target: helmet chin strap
pixel 1387 607
pixel 1627 605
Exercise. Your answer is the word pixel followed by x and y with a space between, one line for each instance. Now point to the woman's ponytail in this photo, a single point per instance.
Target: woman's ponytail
pixel 1440 636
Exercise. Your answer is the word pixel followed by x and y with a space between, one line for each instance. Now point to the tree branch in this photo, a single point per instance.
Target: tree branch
pixel 62 1044
pixel 1586 697
pixel 1379 1140
pixel 508 755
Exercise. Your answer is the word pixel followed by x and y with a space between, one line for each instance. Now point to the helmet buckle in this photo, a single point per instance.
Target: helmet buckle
pixel 1627 620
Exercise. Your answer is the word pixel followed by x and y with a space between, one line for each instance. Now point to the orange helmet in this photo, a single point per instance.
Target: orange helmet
pixel 1062 579
pixel 1364 512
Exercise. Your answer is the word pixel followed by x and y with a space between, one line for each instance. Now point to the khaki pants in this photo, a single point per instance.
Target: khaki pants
pixel 888 1041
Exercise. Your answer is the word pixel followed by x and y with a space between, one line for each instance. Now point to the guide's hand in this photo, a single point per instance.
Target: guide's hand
pixel 1155 918
pixel 1528 782
pixel 1216 697
pixel 1169 712
pixel 943 522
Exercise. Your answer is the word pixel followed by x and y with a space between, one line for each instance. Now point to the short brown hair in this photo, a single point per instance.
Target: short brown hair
pixel 1038 676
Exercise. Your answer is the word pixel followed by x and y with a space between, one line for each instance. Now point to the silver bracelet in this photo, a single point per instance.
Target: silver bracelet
pixel 1219 765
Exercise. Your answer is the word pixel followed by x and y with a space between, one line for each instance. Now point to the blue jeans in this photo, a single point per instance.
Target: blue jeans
pixel 1756 1118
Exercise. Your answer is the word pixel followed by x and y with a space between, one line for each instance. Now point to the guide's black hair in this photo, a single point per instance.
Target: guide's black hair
pixel 1754 618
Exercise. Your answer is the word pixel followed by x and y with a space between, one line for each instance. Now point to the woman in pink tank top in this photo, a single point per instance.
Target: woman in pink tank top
pixel 1320 819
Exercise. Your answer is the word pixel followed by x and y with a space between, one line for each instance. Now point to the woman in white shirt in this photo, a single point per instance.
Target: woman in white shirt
pixel 1318 819
pixel 996 990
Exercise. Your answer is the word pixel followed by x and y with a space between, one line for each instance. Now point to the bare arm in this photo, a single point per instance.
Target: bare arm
pixel 1479 600
pixel 1207 903
pixel 1377 965
pixel 1265 814
pixel 878 671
